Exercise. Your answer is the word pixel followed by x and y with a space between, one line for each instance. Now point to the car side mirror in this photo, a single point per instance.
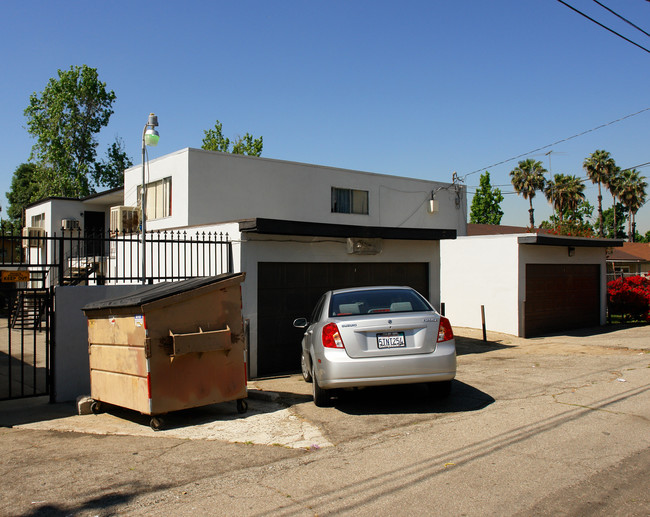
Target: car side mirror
pixel 301 323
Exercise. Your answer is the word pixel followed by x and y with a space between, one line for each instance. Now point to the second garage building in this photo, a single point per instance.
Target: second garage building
pixel 528 284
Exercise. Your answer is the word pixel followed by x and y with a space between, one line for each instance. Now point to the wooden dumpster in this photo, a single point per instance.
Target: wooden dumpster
pixel 169 346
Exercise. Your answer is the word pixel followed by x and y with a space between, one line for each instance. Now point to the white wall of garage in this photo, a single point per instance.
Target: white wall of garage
pixel 491 271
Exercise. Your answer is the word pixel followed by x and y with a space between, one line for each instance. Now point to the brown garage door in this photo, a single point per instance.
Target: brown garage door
pixel 561 297
pixel 287 291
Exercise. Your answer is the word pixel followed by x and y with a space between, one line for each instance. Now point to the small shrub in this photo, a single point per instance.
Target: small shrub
pixel 630 297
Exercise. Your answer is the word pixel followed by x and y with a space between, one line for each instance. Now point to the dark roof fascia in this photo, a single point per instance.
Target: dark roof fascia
pixel 541 239
pixel 302 228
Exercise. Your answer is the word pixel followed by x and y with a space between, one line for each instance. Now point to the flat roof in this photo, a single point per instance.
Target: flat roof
pixel 545 239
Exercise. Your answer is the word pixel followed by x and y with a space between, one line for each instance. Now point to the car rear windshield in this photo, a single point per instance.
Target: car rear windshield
pixel 376 301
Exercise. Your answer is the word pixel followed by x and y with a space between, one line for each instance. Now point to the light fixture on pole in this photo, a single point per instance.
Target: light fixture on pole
pixel 150 137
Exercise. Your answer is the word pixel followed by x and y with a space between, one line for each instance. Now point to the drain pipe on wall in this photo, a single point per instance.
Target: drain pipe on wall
pixel 483 323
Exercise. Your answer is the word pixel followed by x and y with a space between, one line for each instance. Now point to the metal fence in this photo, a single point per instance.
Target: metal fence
pixel 76 259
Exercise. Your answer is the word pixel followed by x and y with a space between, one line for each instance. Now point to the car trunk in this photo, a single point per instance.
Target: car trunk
pixel 389 334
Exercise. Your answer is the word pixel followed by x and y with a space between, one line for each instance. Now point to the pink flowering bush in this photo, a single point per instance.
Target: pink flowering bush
pixel 630 297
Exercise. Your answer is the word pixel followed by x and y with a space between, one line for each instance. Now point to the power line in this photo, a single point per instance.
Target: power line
pixel 603 26
pixel 555 143
pixel 622 18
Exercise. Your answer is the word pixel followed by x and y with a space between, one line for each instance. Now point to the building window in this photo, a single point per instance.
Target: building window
pixel 159 199
pixel 38 221
pixel 349 201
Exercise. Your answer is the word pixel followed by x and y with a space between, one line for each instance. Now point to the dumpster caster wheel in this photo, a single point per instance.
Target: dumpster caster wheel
pixel 156 423
pixel 95 407
pixel 242 406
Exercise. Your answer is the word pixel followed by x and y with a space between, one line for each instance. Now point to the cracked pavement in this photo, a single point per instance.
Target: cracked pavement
pixel 545 426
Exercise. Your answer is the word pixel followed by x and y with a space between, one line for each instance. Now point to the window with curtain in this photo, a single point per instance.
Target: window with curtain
pixel 38 221
pixel 349 201
pixel 159 199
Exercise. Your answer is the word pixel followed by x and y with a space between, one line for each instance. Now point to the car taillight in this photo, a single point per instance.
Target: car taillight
pixel 444 330
pixel 331 336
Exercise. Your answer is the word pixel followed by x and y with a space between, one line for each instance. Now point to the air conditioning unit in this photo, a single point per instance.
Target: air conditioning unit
pixel 124 219
pixel 69 224
pixel 33 237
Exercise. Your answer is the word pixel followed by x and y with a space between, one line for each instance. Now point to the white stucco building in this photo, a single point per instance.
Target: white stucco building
pixel 297 230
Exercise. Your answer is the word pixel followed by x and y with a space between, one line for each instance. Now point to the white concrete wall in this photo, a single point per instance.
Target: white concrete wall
pixel 210 187
pixel 479 271
pixel 174 165
pixel 71 367
pixel 559 255
pixel 291 249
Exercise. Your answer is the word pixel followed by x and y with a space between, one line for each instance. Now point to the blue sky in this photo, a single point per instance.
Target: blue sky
pixel 411 88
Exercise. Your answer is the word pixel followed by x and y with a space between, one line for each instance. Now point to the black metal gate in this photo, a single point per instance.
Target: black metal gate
pixel 25 341
pixel 32 264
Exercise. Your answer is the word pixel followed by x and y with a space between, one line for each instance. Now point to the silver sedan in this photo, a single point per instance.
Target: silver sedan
pixel 375 336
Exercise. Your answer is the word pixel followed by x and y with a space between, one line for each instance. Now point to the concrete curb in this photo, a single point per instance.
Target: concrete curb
pixel 268 396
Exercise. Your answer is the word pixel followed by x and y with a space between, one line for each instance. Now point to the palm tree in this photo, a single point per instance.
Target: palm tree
pixel 527 178
pixel 613 184
pixel 565 193
pixel 599 167
pixel 633 196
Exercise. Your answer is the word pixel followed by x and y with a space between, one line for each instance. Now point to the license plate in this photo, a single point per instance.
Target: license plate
pixel 391 340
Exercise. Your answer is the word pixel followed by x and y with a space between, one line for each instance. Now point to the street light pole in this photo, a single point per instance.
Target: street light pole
pixel 150 137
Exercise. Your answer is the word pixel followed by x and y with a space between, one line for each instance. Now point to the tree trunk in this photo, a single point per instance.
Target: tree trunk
pixel 630 237
pixel 600 211
pixel 531 211
pixel 615 226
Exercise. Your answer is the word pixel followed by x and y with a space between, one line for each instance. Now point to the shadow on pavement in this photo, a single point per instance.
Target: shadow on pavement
pixel 596 331
pixel 411 398
pixel 468 345
pixel 106 502
pixel 30 410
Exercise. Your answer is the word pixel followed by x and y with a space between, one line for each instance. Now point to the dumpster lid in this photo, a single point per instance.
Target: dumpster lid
pixel 150 293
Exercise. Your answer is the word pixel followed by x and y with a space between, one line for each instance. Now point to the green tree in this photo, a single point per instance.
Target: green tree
pixel 599 167
pixel 110 171
pixel 633 196
pixel 213 140
pixel 613 184
pixel 565 193
pixel 486 203
pixel 527 178
pixel 576 222
pixel 614 221
pixel 65 119
pixel 24 190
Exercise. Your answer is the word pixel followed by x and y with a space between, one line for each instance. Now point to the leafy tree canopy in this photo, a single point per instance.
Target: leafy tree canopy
pixel 24 190
pixel 214 140
pixel 64 119
pixel 486 203
pixel 110 171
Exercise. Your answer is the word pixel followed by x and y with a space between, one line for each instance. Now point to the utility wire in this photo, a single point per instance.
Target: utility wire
pixel 603 26
pixel 622 18
pixel 555 143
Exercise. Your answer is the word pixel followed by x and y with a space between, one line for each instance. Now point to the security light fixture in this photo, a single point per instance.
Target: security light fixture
pixel 150 138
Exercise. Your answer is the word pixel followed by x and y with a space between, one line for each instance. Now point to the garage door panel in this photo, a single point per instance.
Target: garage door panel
pixel 561 297
pixel 287 291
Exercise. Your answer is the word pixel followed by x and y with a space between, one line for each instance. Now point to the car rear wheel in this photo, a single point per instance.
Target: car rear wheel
pixel 304 366
pixel 321 396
